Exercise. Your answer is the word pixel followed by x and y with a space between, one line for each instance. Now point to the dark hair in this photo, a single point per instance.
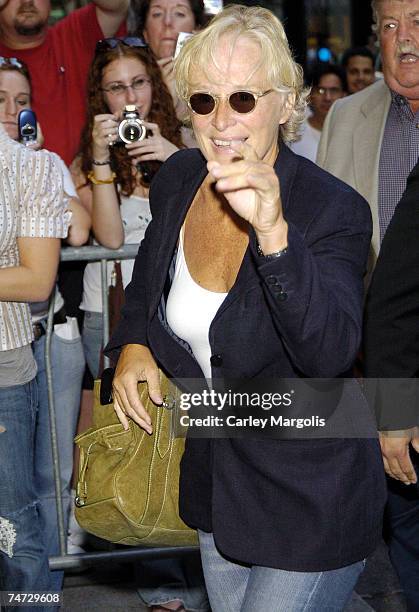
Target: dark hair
pixel 138 12
pixel 161 112
pixel 354 51
pixel 320 70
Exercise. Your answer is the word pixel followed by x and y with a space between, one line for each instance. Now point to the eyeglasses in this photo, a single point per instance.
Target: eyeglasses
pixel 332 91
pixel 116 89
pixel 243 102
pixel 111 43
pixel 10 61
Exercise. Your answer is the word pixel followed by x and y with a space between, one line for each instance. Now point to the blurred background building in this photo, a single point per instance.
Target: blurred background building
pixel 317 29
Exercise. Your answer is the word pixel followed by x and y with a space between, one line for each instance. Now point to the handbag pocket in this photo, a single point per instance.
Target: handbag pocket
pixel 128 481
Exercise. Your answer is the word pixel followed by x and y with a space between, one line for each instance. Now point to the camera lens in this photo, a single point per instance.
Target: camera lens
pixel 28 130
pixel 131 128
pixel 132 133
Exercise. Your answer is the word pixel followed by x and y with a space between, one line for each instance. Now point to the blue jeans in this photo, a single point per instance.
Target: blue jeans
pixel 233 587
pixel 92 338
pixel 402 523
pixel 68 365
pixel 23 553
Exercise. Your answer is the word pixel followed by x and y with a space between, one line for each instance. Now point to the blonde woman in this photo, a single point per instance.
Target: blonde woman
pixel 252 268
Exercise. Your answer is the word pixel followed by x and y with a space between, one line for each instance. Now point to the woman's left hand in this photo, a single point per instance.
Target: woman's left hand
pixel 152 148
pixel 252 189
pixel 166 68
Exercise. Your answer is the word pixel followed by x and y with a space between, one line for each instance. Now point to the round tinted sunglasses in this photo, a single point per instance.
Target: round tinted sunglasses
pixel 111 43
pixel 204 103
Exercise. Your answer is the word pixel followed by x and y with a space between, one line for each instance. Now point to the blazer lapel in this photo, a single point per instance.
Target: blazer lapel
pixel 367 139
pixel 176 207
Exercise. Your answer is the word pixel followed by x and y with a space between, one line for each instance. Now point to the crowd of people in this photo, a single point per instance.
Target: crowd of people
pixel 282 245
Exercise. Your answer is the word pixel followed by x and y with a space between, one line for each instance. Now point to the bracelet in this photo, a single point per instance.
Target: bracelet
pixel 97 181
pixel 95 162
pixel 271 255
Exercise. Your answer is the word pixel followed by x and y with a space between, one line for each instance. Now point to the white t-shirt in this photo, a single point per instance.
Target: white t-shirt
pixel 136 215
pixel 309 143
pixel 191 309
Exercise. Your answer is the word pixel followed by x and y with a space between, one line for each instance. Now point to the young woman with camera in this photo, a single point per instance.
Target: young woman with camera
pixel 111 181
pixel 109 173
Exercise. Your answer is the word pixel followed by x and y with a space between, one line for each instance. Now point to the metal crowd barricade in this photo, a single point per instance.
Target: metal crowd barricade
pixel 65 561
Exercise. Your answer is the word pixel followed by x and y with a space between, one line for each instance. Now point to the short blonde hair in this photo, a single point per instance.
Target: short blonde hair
pixel 260 25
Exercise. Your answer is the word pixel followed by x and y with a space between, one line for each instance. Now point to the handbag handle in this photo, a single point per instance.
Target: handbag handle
pixel 106 386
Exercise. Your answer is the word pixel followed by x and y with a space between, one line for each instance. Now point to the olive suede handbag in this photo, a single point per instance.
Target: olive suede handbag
pixel 128 481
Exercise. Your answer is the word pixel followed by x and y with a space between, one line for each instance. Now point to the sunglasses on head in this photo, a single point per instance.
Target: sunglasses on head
pixel 10 61
pixel 204 103
pixel 111 43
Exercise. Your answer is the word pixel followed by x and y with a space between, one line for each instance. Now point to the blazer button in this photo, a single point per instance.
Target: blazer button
pixel 216 361
pixel 271 280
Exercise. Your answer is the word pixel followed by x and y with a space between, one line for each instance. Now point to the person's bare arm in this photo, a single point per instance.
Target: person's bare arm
pixel 32 280
pixel 102 203
pixel 82 186
pixel 110 14
pixel 78 233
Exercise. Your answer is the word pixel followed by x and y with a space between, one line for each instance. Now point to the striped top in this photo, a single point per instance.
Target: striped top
pixel 32 205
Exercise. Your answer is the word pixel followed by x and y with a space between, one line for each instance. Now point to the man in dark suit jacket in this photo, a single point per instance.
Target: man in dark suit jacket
pixel 391 346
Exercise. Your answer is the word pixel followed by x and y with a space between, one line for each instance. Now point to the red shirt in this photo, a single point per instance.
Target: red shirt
pixel 58 69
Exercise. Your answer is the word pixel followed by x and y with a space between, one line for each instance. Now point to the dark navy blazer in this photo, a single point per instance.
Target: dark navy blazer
pixel 304 505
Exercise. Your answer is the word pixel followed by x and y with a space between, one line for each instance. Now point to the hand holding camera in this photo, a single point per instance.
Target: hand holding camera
pixel 152 148
pixel 132 127
pixel 104 134
pixel 142 139
pixel 109 130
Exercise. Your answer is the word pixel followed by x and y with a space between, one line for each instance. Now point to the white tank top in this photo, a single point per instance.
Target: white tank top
pixel 190 310
pixel 135 214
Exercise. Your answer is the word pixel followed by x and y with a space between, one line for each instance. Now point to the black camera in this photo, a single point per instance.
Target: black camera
pixel 131 128
pixel 27 126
